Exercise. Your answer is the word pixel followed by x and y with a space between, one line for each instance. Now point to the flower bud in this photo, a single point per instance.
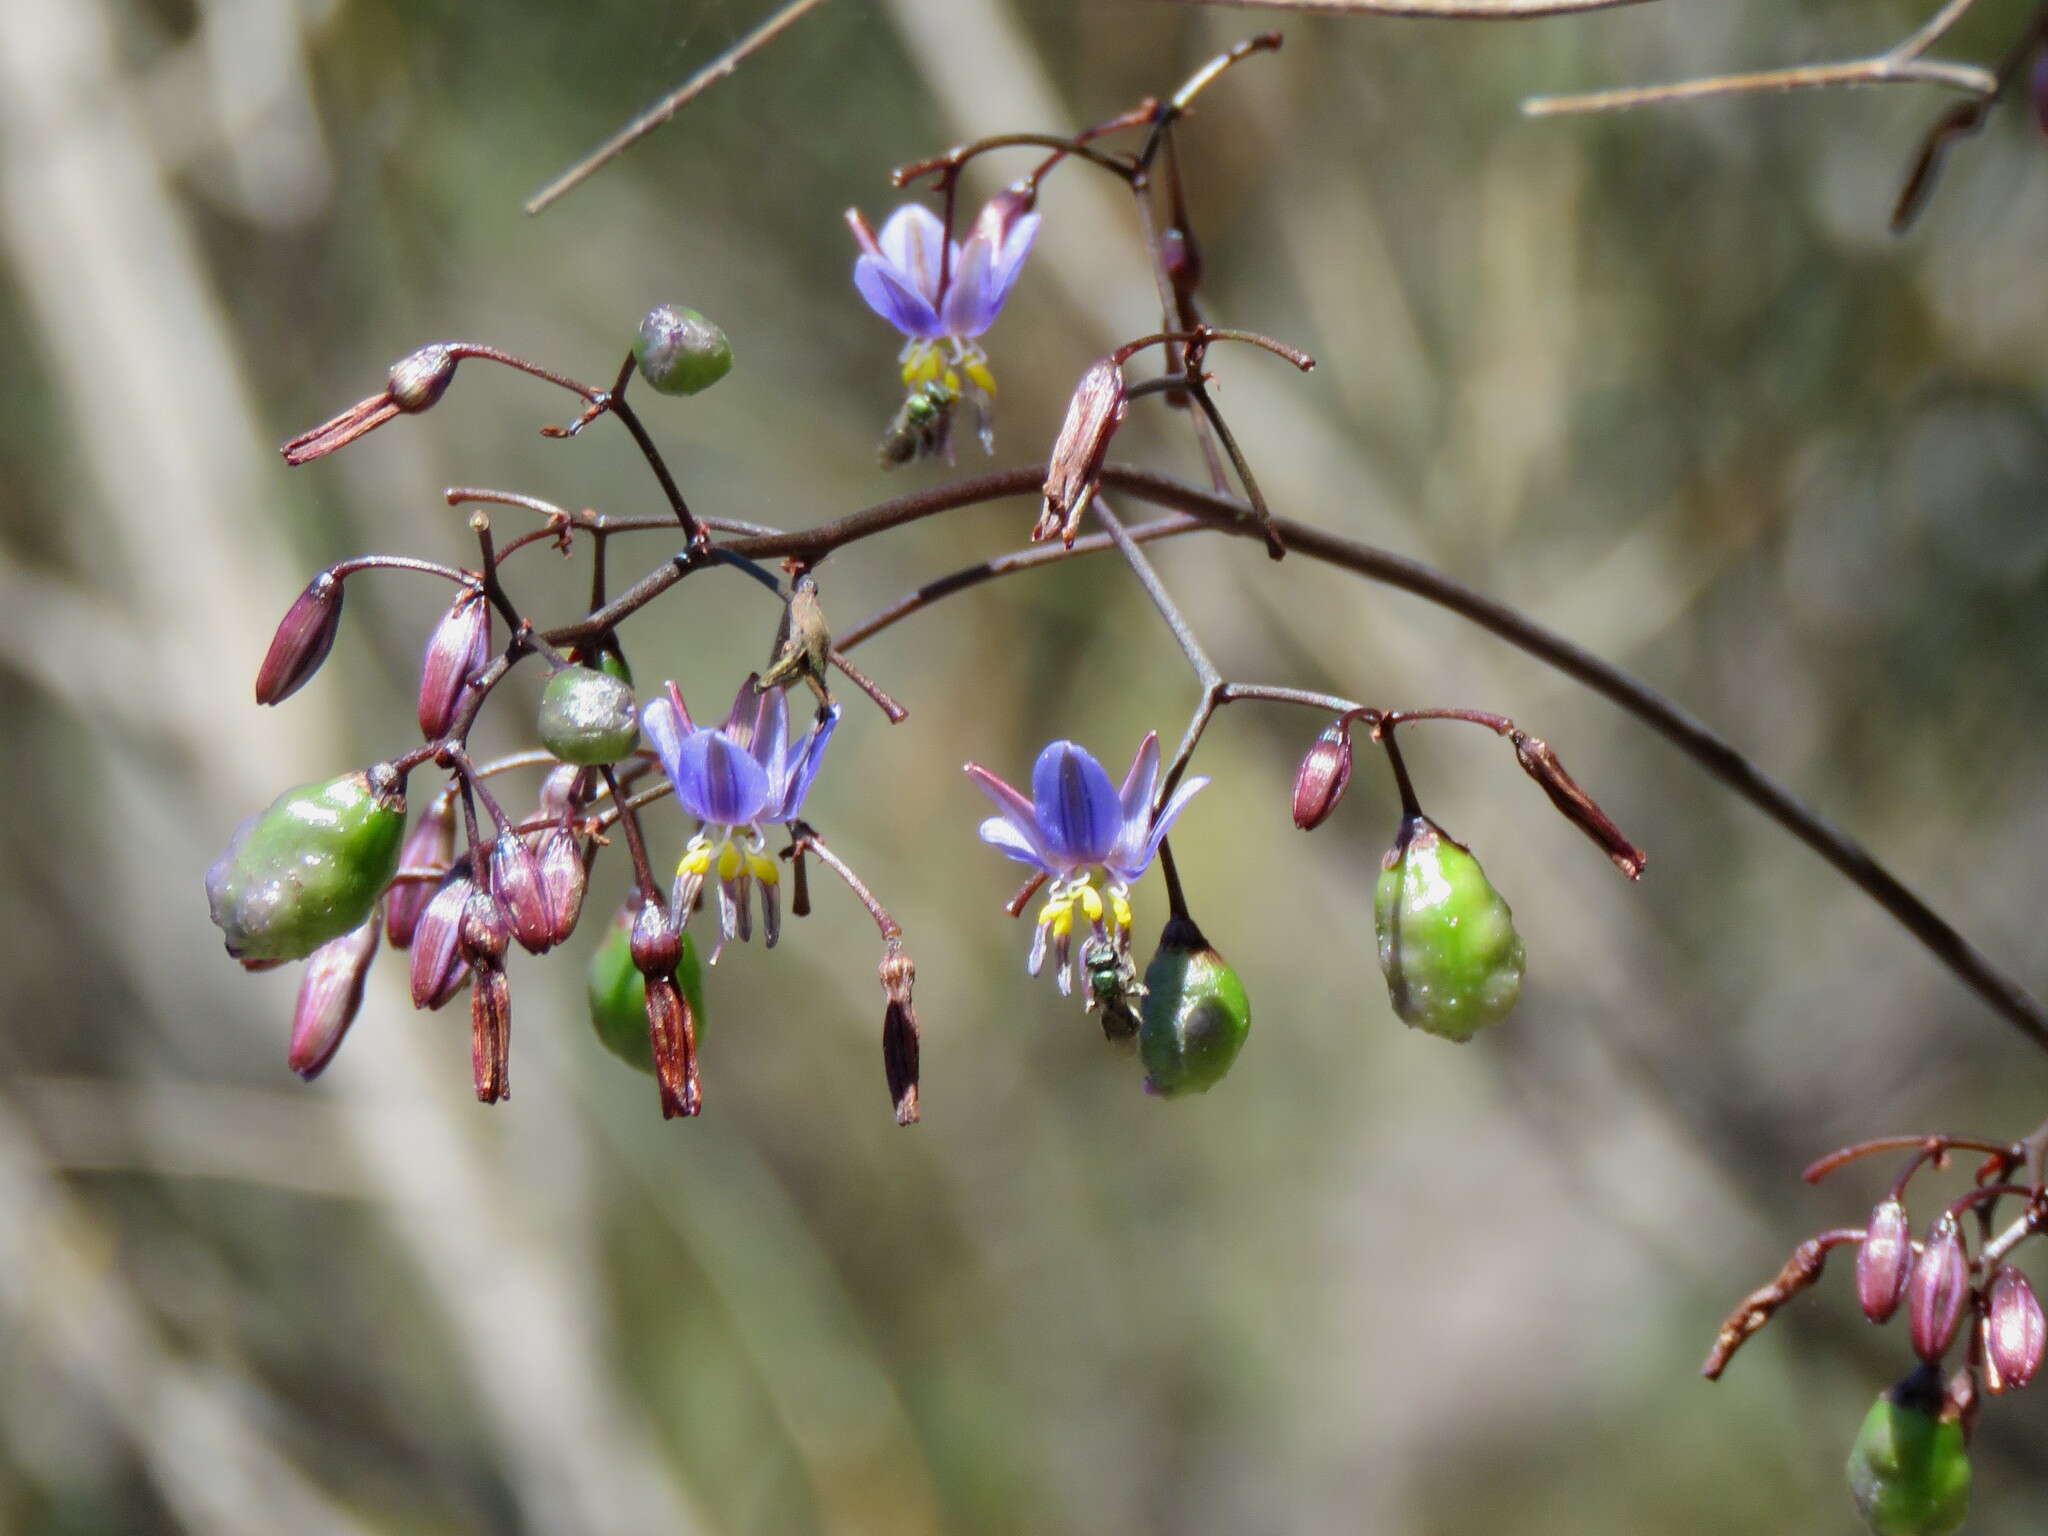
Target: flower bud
pixel 330 992
pixel 430 845
pixel 1001 214
pixel 459 647
pixel 1885 1261
pixel 679 351
pixel 657 940
pixel 1447 941
pixel 588 717
pixel 310 867
pixel 420 378
pixel 1909 1471
pixel 617 993
pixel 304 637
pixel 563 879
pixel 485 935
pixel 490 1029
pixel 515 881
pixel 1074 471
pixel 562 793
pixel 1320 781
pixel 1195 1015
pixel 438 967
pixel 1938 1290
pixel 900 1035
pixel 2014 1331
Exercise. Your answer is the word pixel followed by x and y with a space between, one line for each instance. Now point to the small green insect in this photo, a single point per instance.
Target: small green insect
pixel 1112 987
pixel 923 426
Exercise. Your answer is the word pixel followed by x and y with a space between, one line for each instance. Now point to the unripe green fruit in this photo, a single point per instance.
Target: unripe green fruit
pixel 310 867
pixel 679 351
pixel 588 717
pixel 1448 945
pixel 1908 1470
pixel 1195 1015
pixel 618 995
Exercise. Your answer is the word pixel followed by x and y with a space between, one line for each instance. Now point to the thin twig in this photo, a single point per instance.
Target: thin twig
pixel 1885 69
pixel 1183 633
pixel 658 114
pixel 1463 10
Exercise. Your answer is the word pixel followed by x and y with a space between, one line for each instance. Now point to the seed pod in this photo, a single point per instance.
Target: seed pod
pixel 1940 1287
pixel 310 867
pixel 458 647
pixel 672 1039
pixel 563 879
pixel 1447 941
pixel 588 717
pixel 304 637
pixel 679 351
pixel 1885 1261
pixel 2014 1331
pixel 490 1030
pixel 1320 781
pixel 330 992
pixel 1195 1014
pixel 438 968
pixel 618 993
pixel 1909 1470
pixel 900 1048
pixel 430 845
pixel 1073 471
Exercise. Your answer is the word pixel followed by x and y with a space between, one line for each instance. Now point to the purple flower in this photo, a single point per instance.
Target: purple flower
pixel 733 778
pixel 1075 822
pixel 943 294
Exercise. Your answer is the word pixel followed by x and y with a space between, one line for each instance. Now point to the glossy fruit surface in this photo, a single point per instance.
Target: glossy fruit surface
pixel 1908 1470
pixel 1447 941
pixel 618 995
pixel 1195 1015
pixel 309 868
pixel 588 717
pixel 679 351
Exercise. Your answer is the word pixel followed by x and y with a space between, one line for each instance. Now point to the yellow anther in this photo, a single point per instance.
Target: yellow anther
pixel 728 860
pixel 696 859
pixel 952 381
pixel 764 868
pixel 1120 909
pixel 977 371
pixel 1063 921
pixel 1091 903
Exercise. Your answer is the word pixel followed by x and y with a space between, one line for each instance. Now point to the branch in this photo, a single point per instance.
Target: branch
pixel 1467 10
pixel 1886 69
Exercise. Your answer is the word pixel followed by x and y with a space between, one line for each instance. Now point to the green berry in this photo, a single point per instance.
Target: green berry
pixel 1908 1470
pixel 1447 941
pixel 1195 1015
pixel 618 994
pixel 679 351
pixel 588 717
pixel 310 867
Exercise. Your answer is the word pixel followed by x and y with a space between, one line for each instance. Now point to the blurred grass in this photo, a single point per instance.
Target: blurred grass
pixel 1660 379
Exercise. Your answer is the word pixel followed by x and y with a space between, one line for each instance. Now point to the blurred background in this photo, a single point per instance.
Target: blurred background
pixel 1662 380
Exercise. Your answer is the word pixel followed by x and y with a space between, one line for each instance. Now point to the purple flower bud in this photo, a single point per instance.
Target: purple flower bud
pixel 1885 1261
pixel 490 1031
pixel 1075 469
pixel 515 881
pixel 672 1031
pixel 1938 1290
pixel 563 879
pixel 900 1036
pixel 562 793
pixel 438 968
pixel 430 845
pixel 420 378
pixel 657 944
pixel 2014 1331
pixel 304 637
pixel 1319 782
pixel 459 646
pixel 485 934
pixel 330 992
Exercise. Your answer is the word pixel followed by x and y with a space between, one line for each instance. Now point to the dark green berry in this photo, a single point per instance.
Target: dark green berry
pixel 618 994
pixel 679 351
pixel 588 717
pixel 1195 1015
pixel 1909 1470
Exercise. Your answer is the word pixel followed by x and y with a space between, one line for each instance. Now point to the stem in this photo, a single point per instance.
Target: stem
pixel 947 166
pixel 401 563
pixel 627 815
pixel 808 841
pixel 1411 808
pixel 1148 578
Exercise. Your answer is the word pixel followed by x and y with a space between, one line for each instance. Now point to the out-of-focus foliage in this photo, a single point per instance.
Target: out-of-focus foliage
pixel 1661 379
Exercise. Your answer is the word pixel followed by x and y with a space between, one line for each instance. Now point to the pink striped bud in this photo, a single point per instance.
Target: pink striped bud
pixel 563 793
pixel 304 637
pixel 657 944
pixel 429 845
pixel 2014 1331
pixel 515 881
pixel 485 934
pixel 1936 1294
pixel 1320 781
pixel 330 992
pixel 458 648
pixel 420 378
pixel 438 968
pixel 1885 1261
pixel 563 879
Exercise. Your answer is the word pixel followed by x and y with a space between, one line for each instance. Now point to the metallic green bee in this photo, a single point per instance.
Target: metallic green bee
pixel 1113 986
